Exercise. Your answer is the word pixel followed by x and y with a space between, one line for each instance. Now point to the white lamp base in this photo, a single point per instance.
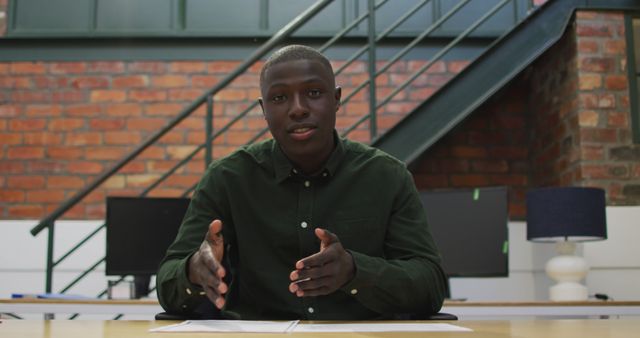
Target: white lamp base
pixel 568 270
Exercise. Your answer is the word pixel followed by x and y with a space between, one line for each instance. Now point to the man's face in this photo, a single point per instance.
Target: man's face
pixel 299 101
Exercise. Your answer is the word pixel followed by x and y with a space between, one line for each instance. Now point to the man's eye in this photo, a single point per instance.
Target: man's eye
pixel 314 93
pixel 278 98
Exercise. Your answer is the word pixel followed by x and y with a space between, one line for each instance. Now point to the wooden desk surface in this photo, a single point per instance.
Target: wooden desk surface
pixel 585 328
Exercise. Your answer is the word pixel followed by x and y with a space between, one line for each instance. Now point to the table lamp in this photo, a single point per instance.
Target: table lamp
pixel 566 215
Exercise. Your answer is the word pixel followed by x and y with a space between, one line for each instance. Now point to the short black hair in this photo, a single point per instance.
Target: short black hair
pixel 293 53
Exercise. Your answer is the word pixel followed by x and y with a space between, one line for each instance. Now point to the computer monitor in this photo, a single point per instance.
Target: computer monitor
pixel 469 227
pixel 139 231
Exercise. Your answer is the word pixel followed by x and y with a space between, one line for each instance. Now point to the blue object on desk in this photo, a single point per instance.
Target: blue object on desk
pixel 48 296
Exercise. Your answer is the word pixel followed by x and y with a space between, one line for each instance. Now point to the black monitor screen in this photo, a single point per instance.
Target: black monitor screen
pixel 470 229
pixel 139 231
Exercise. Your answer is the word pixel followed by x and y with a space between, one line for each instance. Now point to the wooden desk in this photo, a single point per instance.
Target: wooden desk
pixel 84 306
pixel 464 310
pixel 584 328
pixel 507 310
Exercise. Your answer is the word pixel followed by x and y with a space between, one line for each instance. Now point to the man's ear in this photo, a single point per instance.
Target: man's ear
pixel 338 96
pixel 261 106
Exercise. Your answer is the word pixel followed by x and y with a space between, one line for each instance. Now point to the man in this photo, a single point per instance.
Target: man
pixel 306 225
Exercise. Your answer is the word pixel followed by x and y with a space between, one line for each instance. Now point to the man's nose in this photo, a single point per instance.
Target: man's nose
pixel 299 108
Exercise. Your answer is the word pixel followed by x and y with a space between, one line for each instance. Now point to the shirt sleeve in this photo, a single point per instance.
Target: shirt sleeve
pixel 176 294
pixel 409 279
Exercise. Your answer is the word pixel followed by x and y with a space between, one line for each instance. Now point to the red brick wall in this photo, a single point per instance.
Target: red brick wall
pixel 564 122
pixel 581 112
pixel 64 123
pixel 489 148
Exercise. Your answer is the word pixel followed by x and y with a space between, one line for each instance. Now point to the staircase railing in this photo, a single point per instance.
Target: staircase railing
pixel 207 98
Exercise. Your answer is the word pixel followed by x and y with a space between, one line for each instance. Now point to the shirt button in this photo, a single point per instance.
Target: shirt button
pixel 354 291
pixel 188 291
pixel 310 310
pixel 324 174
pixel 304 225
pixel 307 184
pixel 295 171
pixel 184 306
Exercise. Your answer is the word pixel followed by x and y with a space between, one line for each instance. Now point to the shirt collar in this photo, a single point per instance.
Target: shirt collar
pixel 284 168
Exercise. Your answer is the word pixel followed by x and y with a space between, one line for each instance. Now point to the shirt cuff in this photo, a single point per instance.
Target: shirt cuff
pixel 190 295
pixel 364 276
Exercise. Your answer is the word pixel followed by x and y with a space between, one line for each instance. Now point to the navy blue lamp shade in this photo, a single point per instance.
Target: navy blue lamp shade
pixel 566 214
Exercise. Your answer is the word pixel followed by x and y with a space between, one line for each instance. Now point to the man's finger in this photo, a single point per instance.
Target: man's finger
pixel 215 231
pixel 326 237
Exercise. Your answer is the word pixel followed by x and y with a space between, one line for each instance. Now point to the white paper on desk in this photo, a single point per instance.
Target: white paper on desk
pixel 379 327
pixel 228 326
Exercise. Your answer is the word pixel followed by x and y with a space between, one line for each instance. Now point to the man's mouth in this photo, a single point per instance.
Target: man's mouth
pixel 302 133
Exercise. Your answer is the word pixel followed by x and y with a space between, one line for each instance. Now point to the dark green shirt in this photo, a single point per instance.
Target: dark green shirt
pixel 269 210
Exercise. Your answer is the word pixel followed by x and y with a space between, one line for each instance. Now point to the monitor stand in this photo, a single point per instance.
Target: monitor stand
pixel 141 283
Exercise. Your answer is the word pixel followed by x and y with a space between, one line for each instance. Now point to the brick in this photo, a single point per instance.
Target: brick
pixel 90 82
pixel 141 180
pixel 45 196
pixel 122 137
pixel 45 166
pixel 510 180
pixel 616 82
pixel 25 211
pixel 173 137
pixel 25 152
pixel 588 46
pixel 187 67
pixel 68 96
pixel 84 167
pixel 43 110
pixel 146 123
pixel 184 94
pixel 469 180
pixel 147 67
pixel 83 138
pixel 15 82
pixel 10 138
pixel 206 81
pixel 12 196
pixel 31 97
pixel 108 95
pixel 65 152
pixel 594 30
pixel 124 109
pixel 114 182
pixel 27 124
pixel 179 152
pixel 163 109
pixel 182 181
pixel 597 64
pixel 133 168
pixel 490 166
pixel 84 110
pixel 11 167
pixel 67 67
pixel 618 120
pixel 25 182
pixel 592 152
pixel 588 118
pixel 65 124
pixel 109 67
pixel 169 81
pixel 589 81
pixel 105 153
pixel 148 95
pixel 615 47
pixel 106 124
pixel 133 81
pixel 152 152
pixel 598 135
pixel 28 68
pixel 10 110
pixel 223 67
pixel 51 81
pixel 42 138
pixel 468 152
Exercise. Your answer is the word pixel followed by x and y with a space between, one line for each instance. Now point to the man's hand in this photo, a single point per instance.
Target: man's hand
pixel 205 268
pixel 324 272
